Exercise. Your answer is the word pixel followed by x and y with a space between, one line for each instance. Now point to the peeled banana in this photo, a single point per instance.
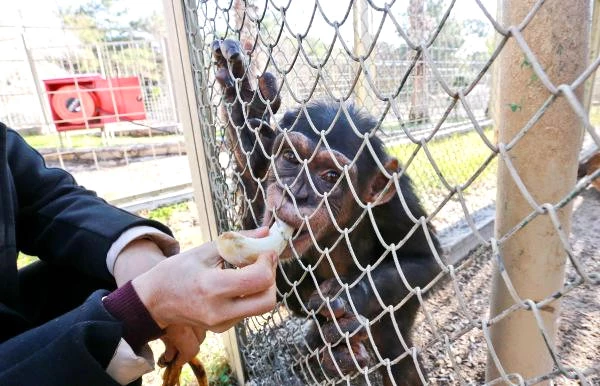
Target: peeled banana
pixel 240 250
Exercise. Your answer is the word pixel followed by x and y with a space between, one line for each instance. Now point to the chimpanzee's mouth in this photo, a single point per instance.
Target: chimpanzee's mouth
pixel 299 240
pixel 299 231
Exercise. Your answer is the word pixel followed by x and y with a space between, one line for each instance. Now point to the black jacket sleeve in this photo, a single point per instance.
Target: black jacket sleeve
pixel 73 349
pixel 59 221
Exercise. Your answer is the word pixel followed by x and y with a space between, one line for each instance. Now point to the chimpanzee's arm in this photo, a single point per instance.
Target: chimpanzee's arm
pixel 247 113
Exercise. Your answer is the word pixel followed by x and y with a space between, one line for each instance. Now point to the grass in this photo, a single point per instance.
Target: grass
pixel 165 213
pixel 457 157
pixel 216 364
pixel 87 141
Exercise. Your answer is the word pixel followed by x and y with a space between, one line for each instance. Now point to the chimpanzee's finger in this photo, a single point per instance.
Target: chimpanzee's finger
pixel 172 374
pixel 222 67
pixel 232 52
pixel 267 84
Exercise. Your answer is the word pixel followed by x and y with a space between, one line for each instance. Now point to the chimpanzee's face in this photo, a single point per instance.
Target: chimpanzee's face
pixel 309 190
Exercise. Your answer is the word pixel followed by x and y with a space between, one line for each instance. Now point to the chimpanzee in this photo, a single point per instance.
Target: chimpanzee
pixel 311 168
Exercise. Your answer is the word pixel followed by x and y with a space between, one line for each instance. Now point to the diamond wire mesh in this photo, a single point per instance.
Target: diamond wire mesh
pixel 451 333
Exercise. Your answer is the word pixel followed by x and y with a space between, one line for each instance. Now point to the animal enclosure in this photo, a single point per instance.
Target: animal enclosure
pixel 29 61
pixel 483 113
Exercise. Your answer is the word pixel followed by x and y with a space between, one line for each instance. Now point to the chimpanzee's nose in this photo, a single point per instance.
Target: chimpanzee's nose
pixel 301 190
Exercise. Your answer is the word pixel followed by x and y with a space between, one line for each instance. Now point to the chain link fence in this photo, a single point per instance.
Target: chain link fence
pixel 432 74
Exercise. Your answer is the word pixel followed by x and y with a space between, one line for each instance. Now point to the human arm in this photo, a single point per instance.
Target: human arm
pixel 60 221
pixel 191 288
pixel 63 223
pixel 74 348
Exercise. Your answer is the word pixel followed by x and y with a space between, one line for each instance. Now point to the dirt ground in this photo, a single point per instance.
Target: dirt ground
pixel 578 339
pixel 135 178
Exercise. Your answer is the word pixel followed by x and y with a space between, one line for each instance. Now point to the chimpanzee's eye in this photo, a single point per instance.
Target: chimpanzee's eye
pixel 330 176
pixel 289 156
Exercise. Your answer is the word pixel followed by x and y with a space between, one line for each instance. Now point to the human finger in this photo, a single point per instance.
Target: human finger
pixel 206 254
pixel 250 279
pixel 226 325
pixel 246 306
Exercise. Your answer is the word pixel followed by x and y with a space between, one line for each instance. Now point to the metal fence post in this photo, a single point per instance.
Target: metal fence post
pixel 189 115
pixel 169 77
pixel 362 41
pixel 36 83
pixel 546 161
pixel 185 98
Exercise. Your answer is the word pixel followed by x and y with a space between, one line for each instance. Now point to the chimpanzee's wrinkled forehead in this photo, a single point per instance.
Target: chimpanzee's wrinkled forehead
pixel 340 134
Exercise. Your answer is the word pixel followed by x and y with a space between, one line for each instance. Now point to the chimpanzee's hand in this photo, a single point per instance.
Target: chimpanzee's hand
pixel 348 322
pixel 231 65
pixel 247 112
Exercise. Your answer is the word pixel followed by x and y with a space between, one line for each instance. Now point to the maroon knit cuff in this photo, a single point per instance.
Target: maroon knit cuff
pixel 138 326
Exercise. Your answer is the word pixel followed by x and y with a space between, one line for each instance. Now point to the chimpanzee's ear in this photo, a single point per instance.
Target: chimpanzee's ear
pixel 377 193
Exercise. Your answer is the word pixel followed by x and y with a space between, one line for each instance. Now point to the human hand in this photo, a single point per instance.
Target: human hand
pixel 193 289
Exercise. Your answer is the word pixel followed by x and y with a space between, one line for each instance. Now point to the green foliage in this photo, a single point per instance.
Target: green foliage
pixel 217 370
pixel 525 62
pixel 142 56
pixel 51 141
pixel 164 213
pixel 219 373
pixel 153 24
pixel 514 107
pixel 100 21
pixel 454 35
pixel 91 21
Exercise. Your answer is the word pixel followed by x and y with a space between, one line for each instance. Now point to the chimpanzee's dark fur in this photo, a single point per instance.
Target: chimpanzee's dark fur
pixel 415 256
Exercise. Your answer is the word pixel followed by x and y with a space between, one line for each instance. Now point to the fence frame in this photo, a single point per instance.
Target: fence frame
pixel 186 102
